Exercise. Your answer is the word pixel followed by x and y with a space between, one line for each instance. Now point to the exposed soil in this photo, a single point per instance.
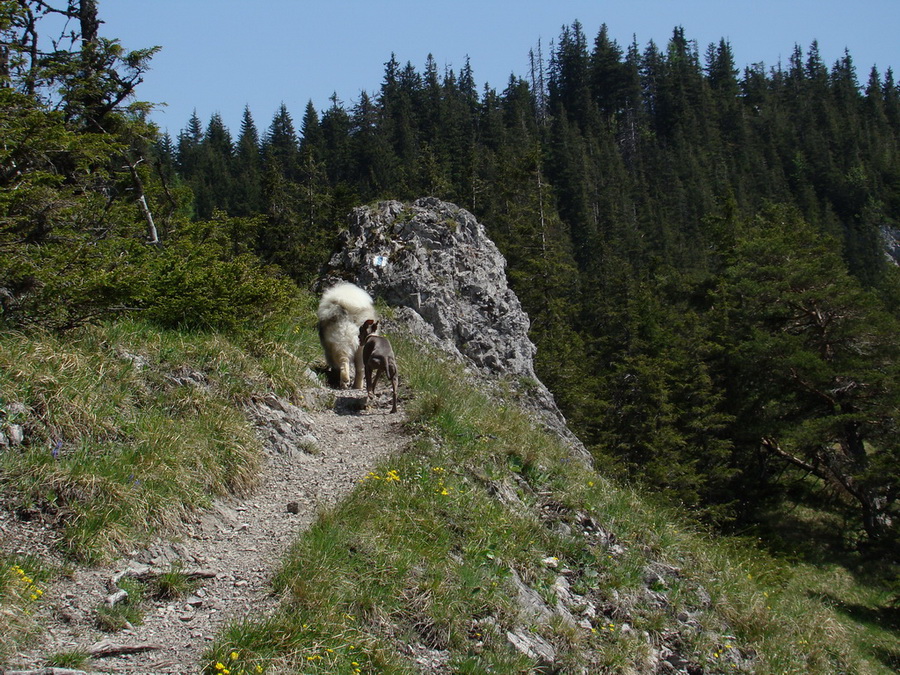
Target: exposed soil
pixel 235 547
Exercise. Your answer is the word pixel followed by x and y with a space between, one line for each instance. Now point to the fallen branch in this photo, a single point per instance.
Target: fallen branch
pixel 106 648
pixel 190 574
pixel 44 671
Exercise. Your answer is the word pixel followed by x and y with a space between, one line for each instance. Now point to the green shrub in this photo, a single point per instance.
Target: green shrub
pixel 205 278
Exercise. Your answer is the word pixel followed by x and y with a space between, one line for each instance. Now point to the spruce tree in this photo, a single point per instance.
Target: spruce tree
pixel 377 167
pixel 247 199
pixel 280 146
pixel 813 365
pixel 190 140
pixel 213 180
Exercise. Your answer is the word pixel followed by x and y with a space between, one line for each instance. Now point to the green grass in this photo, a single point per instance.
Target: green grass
pixel 172 584
pixel 129 427
pixel 73 660
pixel 130 611
pixel 425 552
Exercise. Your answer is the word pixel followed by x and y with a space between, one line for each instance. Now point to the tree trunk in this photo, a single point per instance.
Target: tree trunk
pixel 90 24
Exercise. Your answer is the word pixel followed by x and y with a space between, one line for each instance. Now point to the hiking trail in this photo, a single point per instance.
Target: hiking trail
pixel 233 549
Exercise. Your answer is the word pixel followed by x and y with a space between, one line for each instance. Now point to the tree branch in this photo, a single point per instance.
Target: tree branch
pixel 152 235
pixel 772 445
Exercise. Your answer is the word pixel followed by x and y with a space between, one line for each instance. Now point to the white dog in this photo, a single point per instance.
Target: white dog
pixel 342 310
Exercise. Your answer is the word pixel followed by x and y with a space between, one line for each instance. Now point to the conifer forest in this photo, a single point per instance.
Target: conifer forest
pixel 702 248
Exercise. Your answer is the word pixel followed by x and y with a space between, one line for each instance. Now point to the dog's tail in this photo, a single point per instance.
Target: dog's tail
pixel 344 299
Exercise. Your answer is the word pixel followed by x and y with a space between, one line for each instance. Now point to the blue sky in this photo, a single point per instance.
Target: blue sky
pixel 220 55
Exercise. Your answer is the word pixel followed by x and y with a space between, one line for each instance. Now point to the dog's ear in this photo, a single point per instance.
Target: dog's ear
pixel 369 327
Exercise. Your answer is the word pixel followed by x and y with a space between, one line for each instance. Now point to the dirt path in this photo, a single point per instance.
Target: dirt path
pixel 237 545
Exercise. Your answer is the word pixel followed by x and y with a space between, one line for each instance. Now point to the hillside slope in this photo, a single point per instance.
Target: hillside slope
pixel 464 535
pixel 314 458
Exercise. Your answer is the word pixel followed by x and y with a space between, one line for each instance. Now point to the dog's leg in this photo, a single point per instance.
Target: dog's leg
pixel 344 372
pixel 392 371
pixel 378 369
pixel 358 364
pixel 370 387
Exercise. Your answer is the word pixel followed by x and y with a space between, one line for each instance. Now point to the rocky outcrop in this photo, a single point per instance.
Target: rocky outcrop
pixel 434 262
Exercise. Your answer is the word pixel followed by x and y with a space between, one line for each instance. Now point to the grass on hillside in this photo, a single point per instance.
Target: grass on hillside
pixel 128 427
pixel 428 550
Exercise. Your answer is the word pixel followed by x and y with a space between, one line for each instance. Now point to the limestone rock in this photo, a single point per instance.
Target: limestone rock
pixel 530 604
pixel 435 262
pixel 533 646
pixel 283 427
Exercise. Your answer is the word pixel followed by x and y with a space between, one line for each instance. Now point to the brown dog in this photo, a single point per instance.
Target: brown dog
pixel 378 357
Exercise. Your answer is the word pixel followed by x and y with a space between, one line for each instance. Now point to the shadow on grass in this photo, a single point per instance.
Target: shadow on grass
pixel 886 617
pixel 823 537
pixel 881 618
pixel 889 657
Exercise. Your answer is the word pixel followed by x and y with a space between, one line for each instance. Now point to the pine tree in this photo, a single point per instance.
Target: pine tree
pixel 813 363
pixel 311 140
pixel 247 200
pixel 280 147
pixel 397 120
pixel 569 81
pixel 377 169
pixel 213 181
pixel 726 92
pixel 190 140
pixel 608 75
pixel 336 147
pixel 660 416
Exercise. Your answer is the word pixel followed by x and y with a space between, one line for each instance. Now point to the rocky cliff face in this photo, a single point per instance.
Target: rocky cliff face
pixel 434 262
